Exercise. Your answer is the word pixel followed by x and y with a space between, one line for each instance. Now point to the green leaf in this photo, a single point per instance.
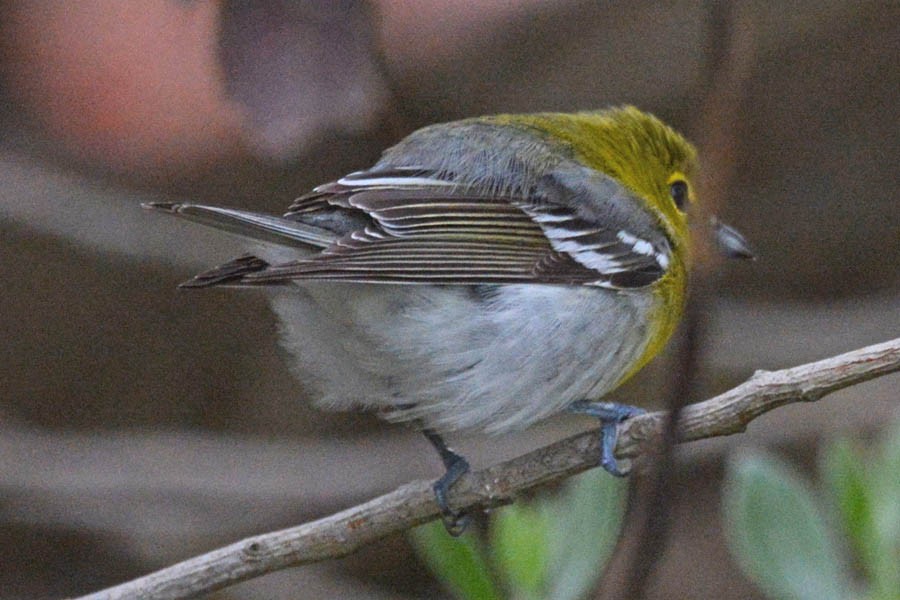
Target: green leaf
pixel 777 533
pixel 586 519
pixel 519 544
pixel 867 493
pixel 459 563
pixel 884 561
pixel 845 475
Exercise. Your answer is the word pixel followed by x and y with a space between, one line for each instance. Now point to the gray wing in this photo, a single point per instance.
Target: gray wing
pixel 573 227
pixel 418 228
pixel 599 223
pixel 412 225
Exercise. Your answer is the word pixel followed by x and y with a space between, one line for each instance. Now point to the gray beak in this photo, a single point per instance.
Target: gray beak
pixel 731 242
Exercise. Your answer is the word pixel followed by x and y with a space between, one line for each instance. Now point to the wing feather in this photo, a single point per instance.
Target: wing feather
pixel 423 227
pixel 428 260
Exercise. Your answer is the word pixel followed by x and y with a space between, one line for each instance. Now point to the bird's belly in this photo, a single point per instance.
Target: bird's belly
pixel 456 359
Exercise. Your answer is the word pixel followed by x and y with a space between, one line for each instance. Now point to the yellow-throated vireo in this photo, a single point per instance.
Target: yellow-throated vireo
pixel 484 274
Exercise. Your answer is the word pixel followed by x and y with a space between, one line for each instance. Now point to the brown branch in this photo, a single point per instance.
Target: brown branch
pixel 413 504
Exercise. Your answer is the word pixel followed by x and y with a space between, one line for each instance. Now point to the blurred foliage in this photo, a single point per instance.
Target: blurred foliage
pixel 794 541
pixel 460 563
pixel 554 546
pixel 798 543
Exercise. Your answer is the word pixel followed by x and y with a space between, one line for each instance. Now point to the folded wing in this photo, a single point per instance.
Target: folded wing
pixel 412 226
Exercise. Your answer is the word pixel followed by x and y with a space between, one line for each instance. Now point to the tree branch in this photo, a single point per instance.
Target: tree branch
pixel 413 504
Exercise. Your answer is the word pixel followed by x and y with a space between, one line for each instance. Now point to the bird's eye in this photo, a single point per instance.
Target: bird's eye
pixel 679 193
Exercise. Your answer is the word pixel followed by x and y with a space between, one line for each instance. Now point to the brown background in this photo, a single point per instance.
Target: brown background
pixel 140 425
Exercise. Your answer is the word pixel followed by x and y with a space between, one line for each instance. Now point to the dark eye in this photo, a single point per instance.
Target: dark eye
pixel 679 193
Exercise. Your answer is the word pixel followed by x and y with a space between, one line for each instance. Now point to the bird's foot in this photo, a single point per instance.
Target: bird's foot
pixel 610 415
pixel 456 466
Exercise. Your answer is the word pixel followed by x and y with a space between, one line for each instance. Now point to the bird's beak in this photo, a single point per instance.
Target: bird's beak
pixel 731 242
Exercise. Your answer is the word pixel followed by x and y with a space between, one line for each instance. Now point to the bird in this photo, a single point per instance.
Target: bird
pixel 483 275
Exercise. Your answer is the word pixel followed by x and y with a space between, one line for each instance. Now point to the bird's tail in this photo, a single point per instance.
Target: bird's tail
pixel 255 226
pixel 258 227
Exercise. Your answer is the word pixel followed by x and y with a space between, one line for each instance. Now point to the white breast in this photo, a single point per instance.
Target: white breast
pixel 454 360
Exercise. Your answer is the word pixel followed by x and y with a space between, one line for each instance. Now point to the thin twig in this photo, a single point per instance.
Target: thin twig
pixel 413 503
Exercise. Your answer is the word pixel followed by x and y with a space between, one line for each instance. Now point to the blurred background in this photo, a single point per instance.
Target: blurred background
pixel 140 425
